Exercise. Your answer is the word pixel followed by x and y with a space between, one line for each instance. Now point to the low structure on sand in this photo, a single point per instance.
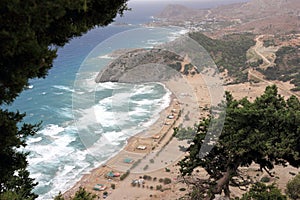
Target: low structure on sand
pixel 112 174
pixel 99 187
pixel 141 147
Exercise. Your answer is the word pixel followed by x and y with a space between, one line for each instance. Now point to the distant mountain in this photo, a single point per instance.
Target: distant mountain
pixel 175 12
pixel 256 9
pixel 258 16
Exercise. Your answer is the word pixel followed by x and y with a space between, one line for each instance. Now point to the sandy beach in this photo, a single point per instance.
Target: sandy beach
pixel 153 151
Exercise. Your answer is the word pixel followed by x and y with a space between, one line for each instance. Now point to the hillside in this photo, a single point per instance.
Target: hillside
pixel 176 12
pixel 276 20
pixel 287 66
pixel 229 53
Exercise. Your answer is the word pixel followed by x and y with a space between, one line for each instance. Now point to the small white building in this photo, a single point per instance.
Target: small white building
pixel 141 147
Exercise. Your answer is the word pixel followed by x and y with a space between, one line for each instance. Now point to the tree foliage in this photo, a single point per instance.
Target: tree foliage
pixel 30 33
pixel 263 192
pixel 14 178
pixel 293 188
pixel 81 194
pixel 265 132
pixel 31 30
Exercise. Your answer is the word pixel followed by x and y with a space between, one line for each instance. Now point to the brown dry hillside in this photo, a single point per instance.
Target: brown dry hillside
pixel 263 16
pixel 176 12
pixel 257 16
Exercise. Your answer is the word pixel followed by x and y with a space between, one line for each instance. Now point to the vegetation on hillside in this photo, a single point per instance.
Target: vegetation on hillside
pixel 229 52
pixel 265 132
pixel 287 66
pixel 30 33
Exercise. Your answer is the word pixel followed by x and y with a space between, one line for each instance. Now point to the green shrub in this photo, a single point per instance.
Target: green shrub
pixel 146 167
pixel 123 176
pixel 158 187
pixel 167 181
pixel 146 177
pixel 265 179
pixel 113 186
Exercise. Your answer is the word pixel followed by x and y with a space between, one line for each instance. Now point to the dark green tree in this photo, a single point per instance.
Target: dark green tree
pixel 30 33
pixel 293 188
pixel 32 29
pixel 59 197
pixel 265 132
pixel 13 174
pixel 81 194
pixel 263 192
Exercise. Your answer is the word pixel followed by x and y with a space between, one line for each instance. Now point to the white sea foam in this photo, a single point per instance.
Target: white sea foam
pixel 110 85
pixel 50 156
pixel 33 140
pixel 107 56
pixel 105 117
pixel 65 178
pixel 143 89
pixel 174 35
pixel 62 87
pixel 66 112
pixel 58 93
pixel 145 102
pixel 114 136
pixel 139 112
pixel 153 42
pixel 51 130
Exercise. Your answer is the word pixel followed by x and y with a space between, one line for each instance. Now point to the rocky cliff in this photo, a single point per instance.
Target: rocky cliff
pixel 142 65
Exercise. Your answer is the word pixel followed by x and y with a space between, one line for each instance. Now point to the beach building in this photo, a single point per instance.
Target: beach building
pixel 141 147
pixel 99 187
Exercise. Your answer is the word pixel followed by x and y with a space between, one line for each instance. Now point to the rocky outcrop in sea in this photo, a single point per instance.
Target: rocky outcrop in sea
pixel 142 65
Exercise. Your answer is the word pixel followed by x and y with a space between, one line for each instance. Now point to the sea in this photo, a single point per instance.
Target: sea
pixel 85 123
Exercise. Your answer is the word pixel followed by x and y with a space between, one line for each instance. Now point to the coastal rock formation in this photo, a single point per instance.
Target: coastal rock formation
pixel 142 65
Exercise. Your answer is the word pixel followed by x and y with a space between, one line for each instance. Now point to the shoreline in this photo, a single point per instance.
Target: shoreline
pixel 128 147
pixel 158 140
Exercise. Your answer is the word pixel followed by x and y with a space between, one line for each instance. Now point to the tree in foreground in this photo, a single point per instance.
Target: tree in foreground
pixel 30 33
pixel 81 194
pixel 293 188
pixel 265 132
